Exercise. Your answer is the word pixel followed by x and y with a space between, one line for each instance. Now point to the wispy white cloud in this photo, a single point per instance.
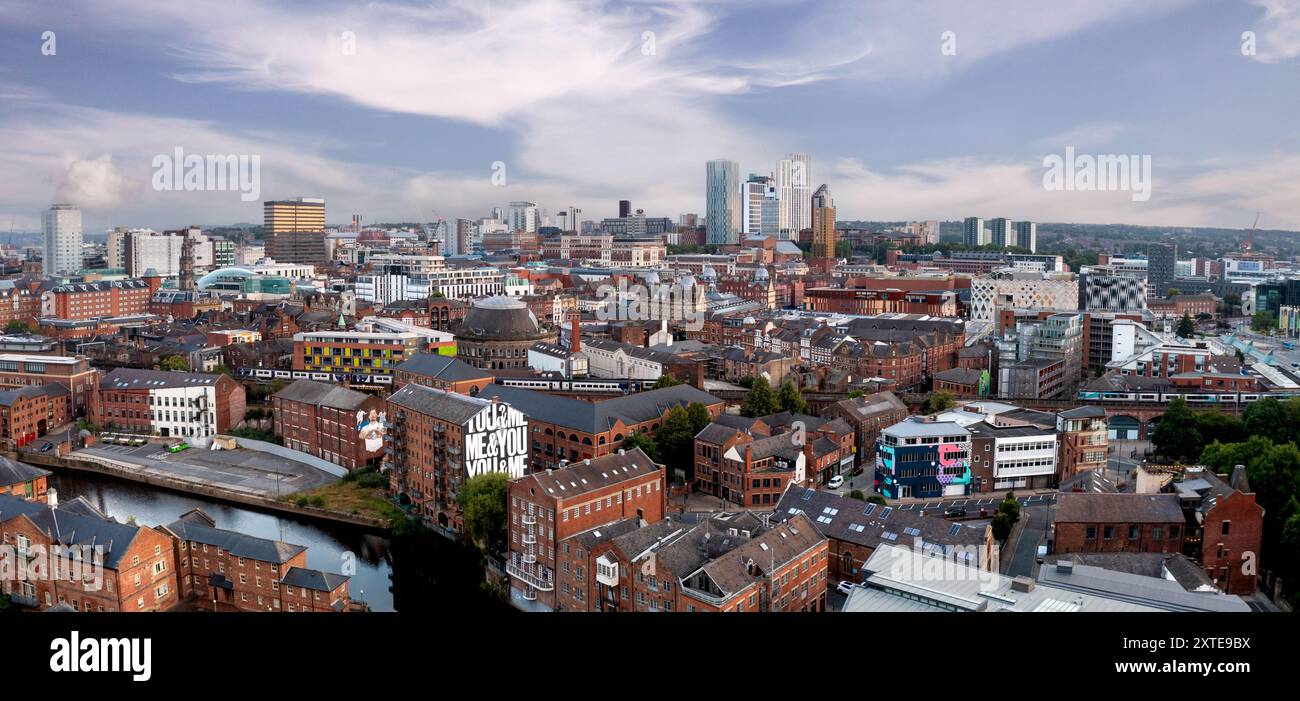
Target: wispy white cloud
pixel 590 107
pixel 1278 34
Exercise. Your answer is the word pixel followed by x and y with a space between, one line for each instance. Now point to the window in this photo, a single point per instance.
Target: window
pixel 1226 527
pixel 1091 533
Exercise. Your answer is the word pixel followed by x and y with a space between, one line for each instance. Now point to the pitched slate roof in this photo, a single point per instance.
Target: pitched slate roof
pixel 585 476
pixel 863 523
pixel 441 367
pixel 14 472
pixel 599 416
pixel 323 394
pixel 315 580
pixel 73 527
pixel 449 406
pixel 134 378
pixel 776 547
pixel 1100 507
pixel 198 527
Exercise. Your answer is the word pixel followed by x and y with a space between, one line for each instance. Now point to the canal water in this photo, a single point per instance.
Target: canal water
pixel 413 573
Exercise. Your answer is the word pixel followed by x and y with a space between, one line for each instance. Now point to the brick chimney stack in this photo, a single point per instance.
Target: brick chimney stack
pixel 575 340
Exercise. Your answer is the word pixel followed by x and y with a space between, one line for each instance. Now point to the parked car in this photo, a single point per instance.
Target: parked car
pixel 844 587
pixel 836 482
pixel 954 512
pixel 45 448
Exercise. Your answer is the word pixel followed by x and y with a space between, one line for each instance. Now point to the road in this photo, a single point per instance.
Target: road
pixel 1019 555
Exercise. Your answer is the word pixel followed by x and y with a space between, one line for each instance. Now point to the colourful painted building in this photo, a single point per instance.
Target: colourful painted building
pixel 923 458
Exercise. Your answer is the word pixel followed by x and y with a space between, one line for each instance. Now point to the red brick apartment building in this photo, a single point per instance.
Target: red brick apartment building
pixel 99 300
pixel 22 480
pixel 563 430
pixel 549 568
pixel 1082 436
pixel 28 413
pixel 331 422
pixel 839 300
pixel 437 439
pixel 189 405
pixel 752 461
pixel 1230 527
pixel 21 301
pixel 1118 523
pixel 731 562
pixel 72 372
pixel 868 415
pixel 139 570
pixel 232 570
pixel 441 372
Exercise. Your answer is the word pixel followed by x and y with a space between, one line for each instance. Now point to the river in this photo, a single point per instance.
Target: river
pixel 421 573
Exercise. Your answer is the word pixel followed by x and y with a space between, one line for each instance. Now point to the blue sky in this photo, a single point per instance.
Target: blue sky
pixel 571 98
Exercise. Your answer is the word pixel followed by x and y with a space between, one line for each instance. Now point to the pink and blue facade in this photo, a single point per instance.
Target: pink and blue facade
pixel 923 459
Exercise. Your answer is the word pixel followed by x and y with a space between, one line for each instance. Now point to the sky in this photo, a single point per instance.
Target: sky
pixel 409 111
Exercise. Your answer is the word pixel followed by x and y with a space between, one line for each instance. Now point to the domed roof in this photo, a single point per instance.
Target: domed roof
pixel 708 273
pixel 687 280
pixel 499 317
pixel 760 274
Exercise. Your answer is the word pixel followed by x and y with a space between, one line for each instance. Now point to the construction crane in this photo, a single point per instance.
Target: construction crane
pixel 1250 235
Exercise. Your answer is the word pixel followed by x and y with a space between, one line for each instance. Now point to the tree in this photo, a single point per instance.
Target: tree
pixel 16 326
pixel 644 442
pixel 843 249
pixel 877 499
pixel 760 401
pixel 676 441
pixel 1186 327
pixel 483 501
pixel 222 370
pixel 790 399
pixel 1176 436
pixel 1173 292
pixel 174 362
pixel 858 494
pixel 1010 506
pixel 699 416
pixel 1216 426
pixel 1263 322
pixel 1001 523
pixel 1267 417
pixel 666 381
pixel 936 403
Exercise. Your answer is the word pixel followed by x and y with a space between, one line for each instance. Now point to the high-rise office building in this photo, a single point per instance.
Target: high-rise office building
pixel 624 208
pixel 1027 236
pixel 1001 232
pixel 722 217
pixel 1162 258
pixel 298 214
pixel 295 230
pixel 61 224
pixel 760 208
pixel 823 224
pixel 794 189
pixel 464 236
pixel 973 232
pixel 115 248
pixel 522 215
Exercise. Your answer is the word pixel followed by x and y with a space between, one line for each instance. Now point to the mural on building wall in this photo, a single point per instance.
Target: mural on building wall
pixel 371 429
pixel 496 440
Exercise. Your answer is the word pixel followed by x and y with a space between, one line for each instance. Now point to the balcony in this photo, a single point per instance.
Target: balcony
pixel 530 594
pixel 541 583
pixel 528 520
pixel 529 559
pixel 529 539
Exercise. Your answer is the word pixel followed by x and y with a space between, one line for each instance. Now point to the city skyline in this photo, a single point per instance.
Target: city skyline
pixel 900 129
